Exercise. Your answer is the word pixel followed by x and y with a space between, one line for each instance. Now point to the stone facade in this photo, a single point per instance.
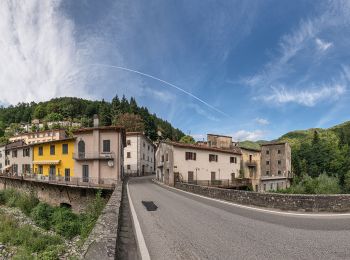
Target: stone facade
pixel 288 202
pixel 276 169
pixel 251 166
pixel 77 197
pixel 139 156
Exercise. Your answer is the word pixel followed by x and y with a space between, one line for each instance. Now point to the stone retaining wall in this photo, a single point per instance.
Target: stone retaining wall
pixel 289 202
pixel 102 241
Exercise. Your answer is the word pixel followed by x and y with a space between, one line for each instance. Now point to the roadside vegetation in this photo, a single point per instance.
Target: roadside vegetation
pixel 62 222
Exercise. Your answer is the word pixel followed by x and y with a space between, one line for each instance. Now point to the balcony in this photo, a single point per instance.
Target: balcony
pixel 251 163
pixel 93 156
pixel 93 183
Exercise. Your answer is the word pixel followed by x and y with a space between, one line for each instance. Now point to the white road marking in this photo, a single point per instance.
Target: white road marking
pixel 330 215
pixel 139 236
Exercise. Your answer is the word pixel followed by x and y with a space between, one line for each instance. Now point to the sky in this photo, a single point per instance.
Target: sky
pixel 249 69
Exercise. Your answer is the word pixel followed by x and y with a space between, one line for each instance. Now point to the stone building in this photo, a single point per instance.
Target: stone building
pixel 276 168
pixel 39 137
pixel 18 158
pixel 251 166
pixel 138 155
pixel 98 153
pixel 193 163
pixel 2 157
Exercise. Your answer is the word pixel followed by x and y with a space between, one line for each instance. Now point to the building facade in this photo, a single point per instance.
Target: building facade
pixel 276 167
pixel 251 166
pixel 99 153
pixel 40 137
pixel 194 163
pixel 54 159
pixel 2 157
pixel 18 158
pixel 139 155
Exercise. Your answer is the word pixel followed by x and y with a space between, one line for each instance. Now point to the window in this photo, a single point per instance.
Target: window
pixel 148 148
pixel 267 172
pixel 250 157
pixel 14 153
pixel 213 158
pixel 0 166
pixel 128 142
pixel 64 148
pixel 0 154
pixel 162 158
pixel 279 172
pixel 279 162
pixel 143 156
pixel 144 145
pixel 271 186
pixel 267 152
pixel 167 157
pixel 15 168
pixel 52 149
pixel 26 152
pixel 67 174
pixel 85 173
pixel 233 159
pixel 106 146
pixel 81 149
pixel 128 167
pixel 279 151
pixel 40 169
pixel 267 162
pixel 190 156
pixel 128 155
pixel 213 177
pixel 190 177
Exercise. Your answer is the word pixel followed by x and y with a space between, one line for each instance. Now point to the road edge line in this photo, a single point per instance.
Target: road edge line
pixel 137 228
pixel 256 208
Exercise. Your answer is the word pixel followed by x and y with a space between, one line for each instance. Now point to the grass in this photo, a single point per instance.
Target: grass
pixel 62 220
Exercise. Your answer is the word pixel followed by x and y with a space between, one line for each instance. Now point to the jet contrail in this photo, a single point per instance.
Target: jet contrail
pixel 165 82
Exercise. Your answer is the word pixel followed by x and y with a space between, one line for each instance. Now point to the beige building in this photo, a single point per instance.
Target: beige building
pixel 40 137
pixel 2 157
pixel 98 153
pixel 18 158
pixel 138 155
pixel 250 166
pixel 193 163
pixel 276 168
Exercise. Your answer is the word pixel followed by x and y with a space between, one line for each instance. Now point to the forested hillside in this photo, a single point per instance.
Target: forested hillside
pixel 117 112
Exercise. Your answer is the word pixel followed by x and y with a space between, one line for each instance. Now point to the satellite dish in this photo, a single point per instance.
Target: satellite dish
pixel 110 163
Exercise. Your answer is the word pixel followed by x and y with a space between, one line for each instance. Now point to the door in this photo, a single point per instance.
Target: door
pixel 67 174
pixel 213 178
pixel 190 177
pixel 85 173
pixel 52 172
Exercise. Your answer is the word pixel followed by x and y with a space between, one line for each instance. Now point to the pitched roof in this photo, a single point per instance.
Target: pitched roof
pixel 101 128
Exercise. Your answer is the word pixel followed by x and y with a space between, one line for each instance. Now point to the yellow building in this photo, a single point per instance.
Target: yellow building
pixel 54 158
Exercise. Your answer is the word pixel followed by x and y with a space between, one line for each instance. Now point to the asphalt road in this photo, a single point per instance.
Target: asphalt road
pixel 189 227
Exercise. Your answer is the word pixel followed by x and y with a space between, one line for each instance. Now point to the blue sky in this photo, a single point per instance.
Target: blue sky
pixel 257 69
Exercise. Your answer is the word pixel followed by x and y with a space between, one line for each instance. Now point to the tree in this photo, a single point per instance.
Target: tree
pixel 54 117
pixel 187 139
pixel 131 122
pixel 39 112
pixel 347 182
pixel 105 114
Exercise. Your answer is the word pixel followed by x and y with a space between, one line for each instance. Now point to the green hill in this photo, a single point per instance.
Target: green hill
pixel 118 111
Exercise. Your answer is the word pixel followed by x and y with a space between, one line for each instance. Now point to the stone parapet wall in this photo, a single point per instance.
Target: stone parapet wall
pixel 102 241
pixel 288 202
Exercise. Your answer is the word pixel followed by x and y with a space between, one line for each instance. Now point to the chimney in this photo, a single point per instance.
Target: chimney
pixel 96 121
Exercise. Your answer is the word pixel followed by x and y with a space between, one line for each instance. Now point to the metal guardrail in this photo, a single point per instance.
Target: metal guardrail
pixel 221 183
pixel 106 183
pixel 94 155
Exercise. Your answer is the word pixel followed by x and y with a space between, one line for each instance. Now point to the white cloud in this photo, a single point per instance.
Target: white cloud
pixel 309 97
pixel 39 58
pixel 163 96
pixel 262 121
pixel 199 110
pixel 323 45
pixel 242 135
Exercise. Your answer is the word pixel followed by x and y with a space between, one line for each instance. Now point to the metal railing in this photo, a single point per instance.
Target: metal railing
pixel 225 183
pixel 93 155
pixel 107 183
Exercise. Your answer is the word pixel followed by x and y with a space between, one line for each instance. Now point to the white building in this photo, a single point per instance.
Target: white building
pixel 191 163
pixel 138 155
pixel 2 157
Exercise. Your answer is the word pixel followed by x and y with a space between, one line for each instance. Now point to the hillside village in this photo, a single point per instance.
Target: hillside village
pixel 103 155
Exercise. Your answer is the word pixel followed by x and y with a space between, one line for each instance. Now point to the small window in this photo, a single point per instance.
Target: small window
pixel 267 162
pixel 267 172
pixel 162 158
pixel 128 155
pixel 52 149
pixel 233 159
pixel 213 158
pixel 26 152
pixel 190 156
pixel 128 142
pixel 267 152
pixel 279 172
pixel 144 145
pixel 106 146
pixel 213 177
pixel 148 148
pixel 14 154
pixel 64 148
pixel 250 158
pixel 128 167
pixel 40 151
pixel 279 151
pixel 143 156
pixel 167 157
pixel 279 162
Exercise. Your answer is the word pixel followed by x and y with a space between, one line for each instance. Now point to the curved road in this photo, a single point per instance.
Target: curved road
pixel 186 226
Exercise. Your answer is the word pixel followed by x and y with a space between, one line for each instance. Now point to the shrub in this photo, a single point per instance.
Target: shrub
pixel 65 222
pixel 2 198
pixel 26 202
pixel 42 215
